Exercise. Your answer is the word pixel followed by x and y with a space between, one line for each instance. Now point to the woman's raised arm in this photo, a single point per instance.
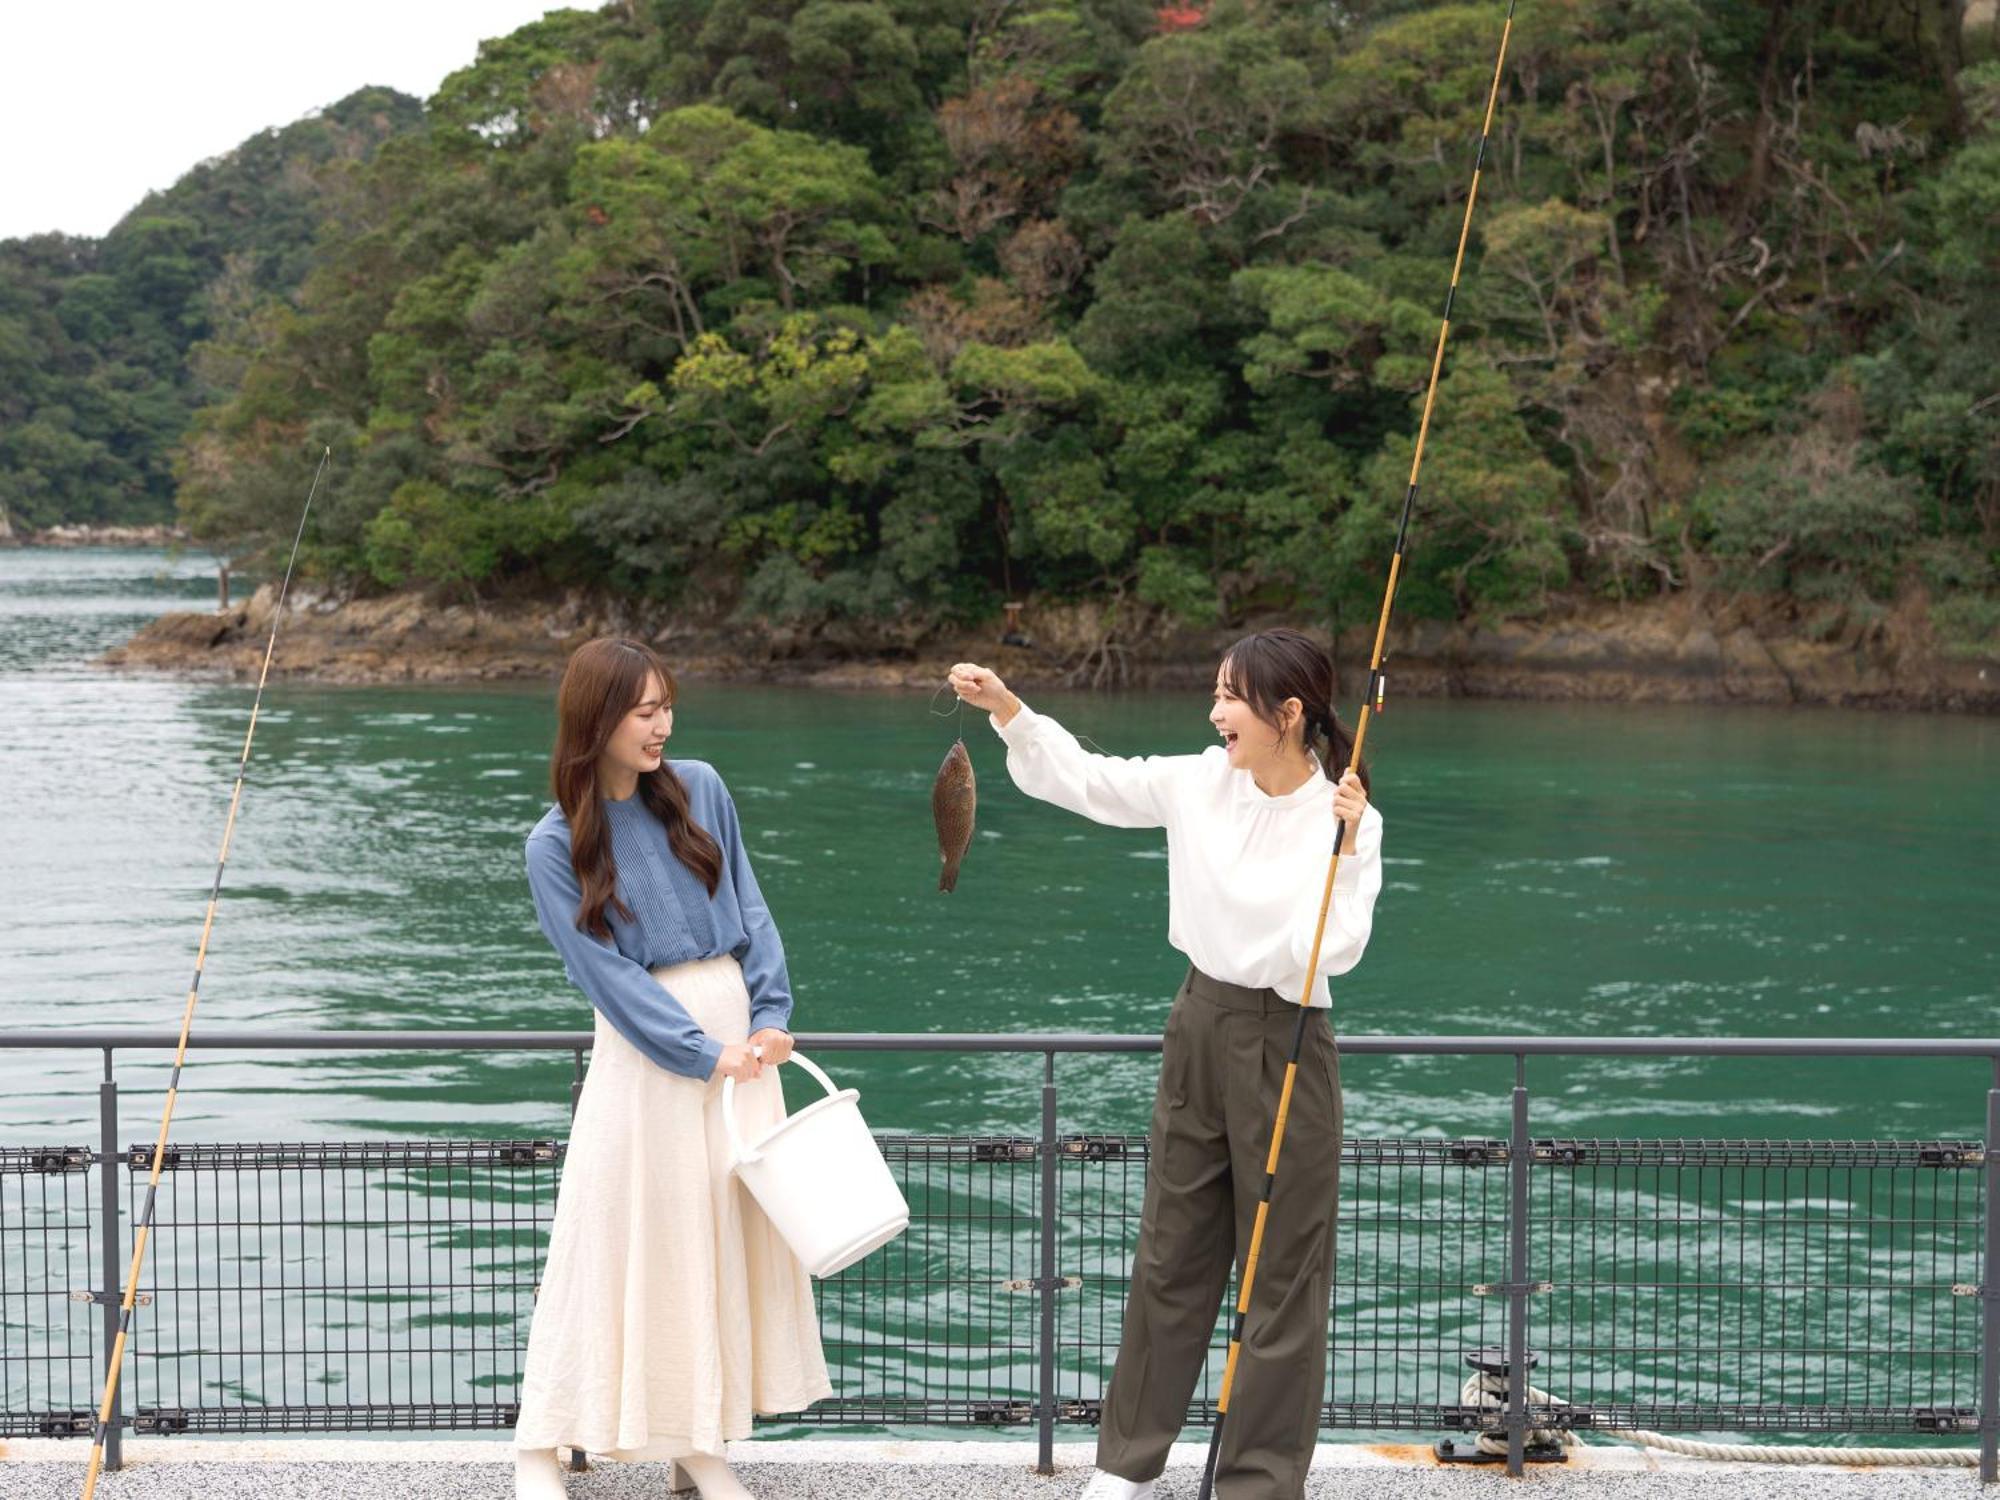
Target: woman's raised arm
pixel 1046 762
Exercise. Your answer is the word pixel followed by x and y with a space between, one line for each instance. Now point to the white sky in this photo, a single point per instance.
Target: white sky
pixel 102 102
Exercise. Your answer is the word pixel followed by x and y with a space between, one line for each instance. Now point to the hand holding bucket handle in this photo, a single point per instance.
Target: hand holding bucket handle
pixel 738 1152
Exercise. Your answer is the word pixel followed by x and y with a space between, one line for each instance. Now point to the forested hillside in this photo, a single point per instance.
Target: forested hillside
pixel 885 310
pixel 96 383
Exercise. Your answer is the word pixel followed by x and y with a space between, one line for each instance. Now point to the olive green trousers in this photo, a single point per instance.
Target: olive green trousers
pixel 1220 1074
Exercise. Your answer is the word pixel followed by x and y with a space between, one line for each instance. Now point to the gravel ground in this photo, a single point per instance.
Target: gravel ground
pixel 333 1470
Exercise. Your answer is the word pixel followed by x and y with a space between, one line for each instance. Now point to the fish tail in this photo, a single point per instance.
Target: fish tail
pixel 948 880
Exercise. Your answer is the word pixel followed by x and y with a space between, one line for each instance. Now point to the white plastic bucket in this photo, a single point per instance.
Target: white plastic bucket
pixel 820 1178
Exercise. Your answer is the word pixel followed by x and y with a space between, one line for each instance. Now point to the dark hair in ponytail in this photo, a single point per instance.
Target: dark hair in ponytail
pixel 602 682
pixel 1271 666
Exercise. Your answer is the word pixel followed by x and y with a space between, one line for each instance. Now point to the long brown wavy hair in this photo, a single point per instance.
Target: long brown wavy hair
pixel 1267 668
pixel 602 682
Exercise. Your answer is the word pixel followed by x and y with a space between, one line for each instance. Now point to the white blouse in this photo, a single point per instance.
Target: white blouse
pixel 1245 871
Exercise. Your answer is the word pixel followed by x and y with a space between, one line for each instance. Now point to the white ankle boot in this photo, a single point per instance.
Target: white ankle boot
pixel 537 1475
pixel 1105 1486
pixel 713 1477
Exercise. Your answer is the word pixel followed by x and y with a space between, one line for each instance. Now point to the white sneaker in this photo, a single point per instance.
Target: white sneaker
pixel 537 1475
pixel 1105 1486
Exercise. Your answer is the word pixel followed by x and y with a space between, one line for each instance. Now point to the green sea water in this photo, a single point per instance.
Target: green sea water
pixel 1551 869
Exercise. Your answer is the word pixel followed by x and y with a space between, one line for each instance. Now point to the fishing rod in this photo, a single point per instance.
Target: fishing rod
pixel 144 1231
pixel 1371 701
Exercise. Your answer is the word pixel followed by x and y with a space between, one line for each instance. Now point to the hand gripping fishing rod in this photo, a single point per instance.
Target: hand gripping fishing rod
pixel 1371 701
pixel 144 1229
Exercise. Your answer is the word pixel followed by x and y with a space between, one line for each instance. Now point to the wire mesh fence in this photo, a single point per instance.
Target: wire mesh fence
pixel 1421 1224
pixel 1760 1286
pixel 49 1360
pixel 338 1286
pixel 939 1326
pixel 1738 1286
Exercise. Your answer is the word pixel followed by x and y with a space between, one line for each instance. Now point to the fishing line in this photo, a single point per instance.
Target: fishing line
pixel 945 713
pixel 957 711
pixel 1372 701
pixel 143 1233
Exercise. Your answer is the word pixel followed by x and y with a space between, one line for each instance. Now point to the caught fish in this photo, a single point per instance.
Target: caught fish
pixel 954 797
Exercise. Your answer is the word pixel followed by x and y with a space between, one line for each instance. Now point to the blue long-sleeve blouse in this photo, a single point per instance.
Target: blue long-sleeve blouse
pixel 674 920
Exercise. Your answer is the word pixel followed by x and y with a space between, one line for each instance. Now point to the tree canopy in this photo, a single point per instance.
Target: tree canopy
pixel 884 310
pixel 97 386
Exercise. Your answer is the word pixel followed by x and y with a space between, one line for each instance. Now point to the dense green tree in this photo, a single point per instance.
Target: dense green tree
pixel 97 383
pixel 864 314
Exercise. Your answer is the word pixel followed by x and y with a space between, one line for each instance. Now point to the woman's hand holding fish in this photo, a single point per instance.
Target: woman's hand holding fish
pixel 1350 801
pixel 739 1062
pixel 984 689
pixel 777 1044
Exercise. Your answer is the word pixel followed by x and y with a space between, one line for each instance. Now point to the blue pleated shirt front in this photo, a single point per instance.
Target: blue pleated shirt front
pixel 674 920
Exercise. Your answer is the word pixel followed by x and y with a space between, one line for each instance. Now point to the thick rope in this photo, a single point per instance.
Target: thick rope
pixel 1484 1390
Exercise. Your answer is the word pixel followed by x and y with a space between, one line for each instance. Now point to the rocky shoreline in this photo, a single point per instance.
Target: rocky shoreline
pixel 92 536
pixel 1675 650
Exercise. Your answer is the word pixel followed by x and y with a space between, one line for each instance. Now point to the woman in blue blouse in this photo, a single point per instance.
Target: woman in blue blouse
pixel 670 1312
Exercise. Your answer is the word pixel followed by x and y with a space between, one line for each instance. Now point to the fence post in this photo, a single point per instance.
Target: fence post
pixel 1045 1395
pixel 1989 1297
pixel 1517 1274
pixel 108 1251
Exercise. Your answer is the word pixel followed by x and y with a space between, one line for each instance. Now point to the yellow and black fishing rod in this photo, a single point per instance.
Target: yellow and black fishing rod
pixel 1371 702
pixel 144 1229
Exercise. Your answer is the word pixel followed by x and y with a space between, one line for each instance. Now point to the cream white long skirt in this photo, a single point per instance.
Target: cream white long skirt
pixel 670 1311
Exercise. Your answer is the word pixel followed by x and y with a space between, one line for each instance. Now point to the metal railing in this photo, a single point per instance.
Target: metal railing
pixel 1746 1286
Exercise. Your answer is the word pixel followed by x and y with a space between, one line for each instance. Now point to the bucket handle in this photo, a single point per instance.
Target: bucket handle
pixel 738 1152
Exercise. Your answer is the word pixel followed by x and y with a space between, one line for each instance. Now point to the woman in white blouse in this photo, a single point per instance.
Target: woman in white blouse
pixel 1250 824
